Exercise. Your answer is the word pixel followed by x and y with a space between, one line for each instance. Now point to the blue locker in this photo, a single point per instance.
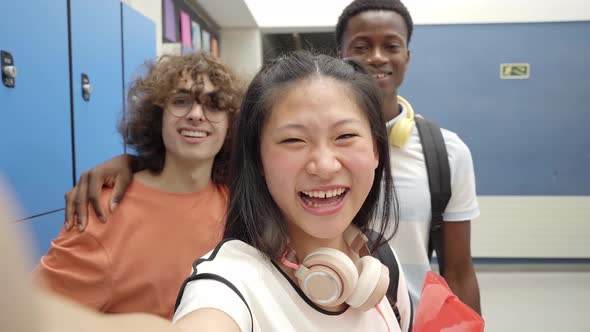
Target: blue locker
pixel 35 130
pixel 40 231
pixel 96 52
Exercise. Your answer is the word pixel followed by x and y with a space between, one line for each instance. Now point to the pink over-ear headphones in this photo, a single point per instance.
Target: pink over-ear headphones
pixel 329 277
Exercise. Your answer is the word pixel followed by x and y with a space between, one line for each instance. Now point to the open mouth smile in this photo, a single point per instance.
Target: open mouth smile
pixel 318 198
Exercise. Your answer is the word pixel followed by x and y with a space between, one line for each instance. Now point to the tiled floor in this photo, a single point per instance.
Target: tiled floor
pixel 535 300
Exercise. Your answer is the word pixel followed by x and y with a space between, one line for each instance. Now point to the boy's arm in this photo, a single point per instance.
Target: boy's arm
pixel 458 270
pixel 116 172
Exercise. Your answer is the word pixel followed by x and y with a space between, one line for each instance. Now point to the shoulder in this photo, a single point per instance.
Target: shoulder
pixel 223 279
pixel 457 150
pixel 455 145
pixel 229 256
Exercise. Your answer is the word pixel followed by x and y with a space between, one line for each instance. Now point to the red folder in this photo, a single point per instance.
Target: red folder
pixel 440 310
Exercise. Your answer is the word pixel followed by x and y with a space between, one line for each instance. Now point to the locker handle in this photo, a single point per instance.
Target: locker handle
pixel 8 69
pixel 86 87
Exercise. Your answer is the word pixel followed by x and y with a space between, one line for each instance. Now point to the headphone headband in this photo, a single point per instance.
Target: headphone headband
pixel 402 128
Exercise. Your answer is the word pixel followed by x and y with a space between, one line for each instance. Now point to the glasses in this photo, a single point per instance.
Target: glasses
pixel 180 104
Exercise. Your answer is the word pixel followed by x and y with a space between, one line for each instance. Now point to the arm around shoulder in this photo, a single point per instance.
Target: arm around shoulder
pixel 116 173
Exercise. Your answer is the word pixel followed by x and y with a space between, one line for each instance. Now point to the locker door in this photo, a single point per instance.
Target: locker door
pixel 96 53
pixel 35 130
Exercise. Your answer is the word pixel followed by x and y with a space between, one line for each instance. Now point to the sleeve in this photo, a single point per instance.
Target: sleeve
pixel 463 203
pixel 215 294
pixel 403 300
pixel 77 266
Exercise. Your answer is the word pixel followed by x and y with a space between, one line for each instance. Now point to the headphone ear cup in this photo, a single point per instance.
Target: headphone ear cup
pixel 401 132
pixel 331 279
pixel 372 284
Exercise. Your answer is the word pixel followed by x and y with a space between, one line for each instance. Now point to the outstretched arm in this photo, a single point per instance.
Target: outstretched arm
pixel 28 308
pixel 207 319
pixel 62 315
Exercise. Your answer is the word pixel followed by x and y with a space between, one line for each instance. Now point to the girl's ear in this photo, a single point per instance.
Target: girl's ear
pixel 376 153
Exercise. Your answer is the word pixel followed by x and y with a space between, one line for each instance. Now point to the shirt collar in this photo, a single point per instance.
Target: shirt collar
pixel 402 114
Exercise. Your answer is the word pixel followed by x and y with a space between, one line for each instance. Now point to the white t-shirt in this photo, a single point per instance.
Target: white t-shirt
pixel 413 193
pixel 238 280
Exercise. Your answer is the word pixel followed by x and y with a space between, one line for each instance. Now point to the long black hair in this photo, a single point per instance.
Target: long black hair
pixel 253 216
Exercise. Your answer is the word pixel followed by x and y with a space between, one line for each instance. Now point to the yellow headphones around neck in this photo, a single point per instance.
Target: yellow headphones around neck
pixel 402 128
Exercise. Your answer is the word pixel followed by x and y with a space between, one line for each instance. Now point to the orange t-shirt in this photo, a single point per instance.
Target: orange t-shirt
pixel 138 259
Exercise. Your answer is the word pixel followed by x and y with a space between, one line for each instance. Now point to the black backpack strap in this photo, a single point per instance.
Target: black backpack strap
pixel 386 256
pixel 439 181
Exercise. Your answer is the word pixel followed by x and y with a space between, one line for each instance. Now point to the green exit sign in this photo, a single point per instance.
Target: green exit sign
pixel 511 71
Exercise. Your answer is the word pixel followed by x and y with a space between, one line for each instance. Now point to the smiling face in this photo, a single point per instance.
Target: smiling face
pixel 378 38
pixel 318 157
pixel 192 130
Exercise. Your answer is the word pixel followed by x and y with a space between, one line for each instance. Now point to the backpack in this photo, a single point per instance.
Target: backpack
pixel 387 258
pixel 439 181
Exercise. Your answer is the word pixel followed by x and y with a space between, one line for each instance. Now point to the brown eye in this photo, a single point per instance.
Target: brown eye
pixel 204 99
pixel 347 136
pixel 181 100
pixel 213 108
pixel 292 140
pixel 360 48
pixel 392 47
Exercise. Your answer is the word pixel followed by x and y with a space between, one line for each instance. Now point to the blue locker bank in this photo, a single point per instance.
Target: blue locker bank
pixel 65 67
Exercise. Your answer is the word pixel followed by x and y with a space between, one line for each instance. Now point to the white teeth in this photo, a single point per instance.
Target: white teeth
pixel 337 193
pixel 325 194
pixel 379 75
pixel 193 133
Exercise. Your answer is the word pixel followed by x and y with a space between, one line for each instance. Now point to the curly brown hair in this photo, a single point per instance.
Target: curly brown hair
pixel 141 126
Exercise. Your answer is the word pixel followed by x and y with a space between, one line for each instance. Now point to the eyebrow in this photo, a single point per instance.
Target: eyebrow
pixel 386 37
pixel 182 91
pixel 187 91
pixel 302 127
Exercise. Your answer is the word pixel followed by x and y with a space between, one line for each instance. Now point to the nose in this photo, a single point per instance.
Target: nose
pixel 196 113
pixel 323 162
pixel 377 57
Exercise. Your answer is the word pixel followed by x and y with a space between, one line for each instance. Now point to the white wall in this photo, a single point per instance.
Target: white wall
pixel 241 49
pixel 532 227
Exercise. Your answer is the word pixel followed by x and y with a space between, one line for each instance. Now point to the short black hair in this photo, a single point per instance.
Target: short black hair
pixel 360 6
pixel 253 216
